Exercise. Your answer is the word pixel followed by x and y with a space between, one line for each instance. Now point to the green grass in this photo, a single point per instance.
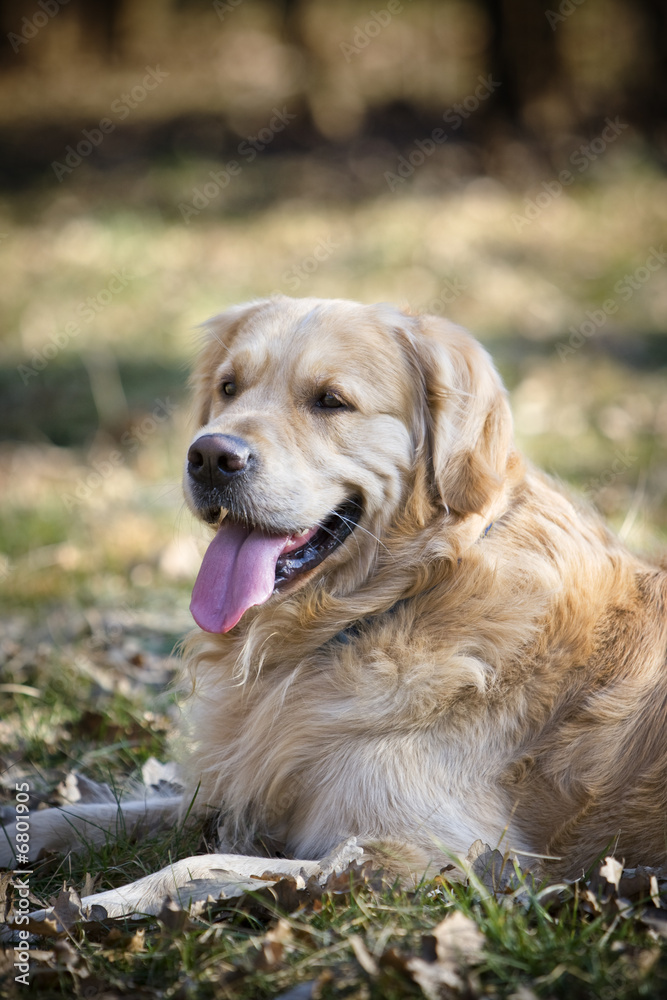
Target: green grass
pixel 555 948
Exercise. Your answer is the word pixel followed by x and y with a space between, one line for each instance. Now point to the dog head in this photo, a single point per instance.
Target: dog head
pixel 319 421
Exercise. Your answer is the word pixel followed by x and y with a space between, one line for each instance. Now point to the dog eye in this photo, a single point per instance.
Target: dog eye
pixel 228 388
pixel 331 401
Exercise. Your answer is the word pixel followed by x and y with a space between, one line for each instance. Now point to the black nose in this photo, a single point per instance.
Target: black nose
pixel 215 459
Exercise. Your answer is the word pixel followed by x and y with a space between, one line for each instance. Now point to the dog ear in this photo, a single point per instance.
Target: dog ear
pixel 217 336
pixel 469 424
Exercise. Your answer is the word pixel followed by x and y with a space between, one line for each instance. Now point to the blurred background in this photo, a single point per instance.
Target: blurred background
pixel 501 162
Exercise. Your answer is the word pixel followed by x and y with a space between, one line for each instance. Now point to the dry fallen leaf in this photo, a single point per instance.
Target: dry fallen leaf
pixel 47 927
pixel 286 893
pixel 590 902
pixel 353 875
pixel 126 940
pixel 457 943
pixel 67 910
pixel 174 917
pixel 272 946
pixel 77 788
pixel 494 870
pixel 458 940
pixel 612 870
pixel 155 774
pixel 434 978
pixel 89 884
pixel 67 907
pixel 653 888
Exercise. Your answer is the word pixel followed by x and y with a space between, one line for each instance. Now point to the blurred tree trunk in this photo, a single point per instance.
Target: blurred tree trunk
pixel 291 18
pixel 523 55
pixel 99 22
pixel 647 95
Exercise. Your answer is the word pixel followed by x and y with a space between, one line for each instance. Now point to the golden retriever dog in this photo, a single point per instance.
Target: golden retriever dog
pixel 407 634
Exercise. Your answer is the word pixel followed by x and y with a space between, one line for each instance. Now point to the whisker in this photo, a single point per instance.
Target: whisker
pixel 347 521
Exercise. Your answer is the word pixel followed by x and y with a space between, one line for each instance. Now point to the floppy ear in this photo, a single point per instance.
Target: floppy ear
pixel 468 416
pixel 217 336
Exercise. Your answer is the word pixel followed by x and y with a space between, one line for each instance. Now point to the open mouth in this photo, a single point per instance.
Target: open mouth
pixel 244 565
pixel 318 543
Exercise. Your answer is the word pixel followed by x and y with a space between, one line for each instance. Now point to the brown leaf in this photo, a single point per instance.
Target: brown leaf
pixel 288 895
pixel 315 891
pixel 89 885
pixel 354 875
pixel 494 870
pixel 128 941
pixel 270 956
pixel 272 946
pixel 45 928
pixel 174 917
pixel 66 908
pixel 590 902
pixel 288 892
pixel 435 980
pixel 455 944
pixel 459 940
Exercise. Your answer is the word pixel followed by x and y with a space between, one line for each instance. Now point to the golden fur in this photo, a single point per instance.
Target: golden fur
pixel 432 681
pixel 481 657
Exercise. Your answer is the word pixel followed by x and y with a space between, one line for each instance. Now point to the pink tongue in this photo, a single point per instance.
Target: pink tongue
pixel 239 570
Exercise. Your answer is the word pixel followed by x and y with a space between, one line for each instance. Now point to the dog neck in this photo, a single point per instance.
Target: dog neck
pixel 354 629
